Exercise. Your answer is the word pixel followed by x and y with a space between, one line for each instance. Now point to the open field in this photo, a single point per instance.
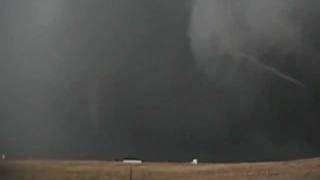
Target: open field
pixel 91 170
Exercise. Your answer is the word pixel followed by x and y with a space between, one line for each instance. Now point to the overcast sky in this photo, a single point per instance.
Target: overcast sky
pixel 221 80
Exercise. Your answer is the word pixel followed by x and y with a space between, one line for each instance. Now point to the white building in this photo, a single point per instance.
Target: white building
pixel 194 161
pixel 132 161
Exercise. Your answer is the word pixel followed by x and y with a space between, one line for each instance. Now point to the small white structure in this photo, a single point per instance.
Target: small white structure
pixel 132 161
pixel 3 157
pixel 194 161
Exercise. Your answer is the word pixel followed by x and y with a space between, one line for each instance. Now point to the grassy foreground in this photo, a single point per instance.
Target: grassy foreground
pixel 95 170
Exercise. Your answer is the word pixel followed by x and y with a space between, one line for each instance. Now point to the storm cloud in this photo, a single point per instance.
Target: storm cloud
pixel 161 80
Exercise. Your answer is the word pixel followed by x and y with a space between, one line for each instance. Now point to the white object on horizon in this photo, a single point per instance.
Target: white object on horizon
pixel 194 161
pixel 3 157
pixel 132 161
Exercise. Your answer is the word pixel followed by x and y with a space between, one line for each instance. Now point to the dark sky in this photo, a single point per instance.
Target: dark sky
pixel 219 80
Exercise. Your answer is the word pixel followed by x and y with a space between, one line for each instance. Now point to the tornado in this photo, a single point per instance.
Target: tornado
pixel 241 29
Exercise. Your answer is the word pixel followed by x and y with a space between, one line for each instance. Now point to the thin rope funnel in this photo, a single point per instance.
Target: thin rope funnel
pixel 250 58
pixel 271 69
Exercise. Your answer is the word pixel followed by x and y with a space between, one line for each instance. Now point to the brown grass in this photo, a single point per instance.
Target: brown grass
pixel 95 170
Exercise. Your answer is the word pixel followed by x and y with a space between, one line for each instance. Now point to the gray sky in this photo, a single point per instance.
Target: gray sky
pixel 160 80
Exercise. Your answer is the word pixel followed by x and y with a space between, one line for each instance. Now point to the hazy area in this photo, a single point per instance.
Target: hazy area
pixel 219 80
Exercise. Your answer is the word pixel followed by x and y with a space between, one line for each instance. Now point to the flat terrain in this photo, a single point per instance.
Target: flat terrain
pixel 91 170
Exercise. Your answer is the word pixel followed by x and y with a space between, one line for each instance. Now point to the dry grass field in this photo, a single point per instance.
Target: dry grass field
pixel 96 170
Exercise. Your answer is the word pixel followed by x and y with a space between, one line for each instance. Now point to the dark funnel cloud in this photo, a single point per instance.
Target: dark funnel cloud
pixel 161 80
